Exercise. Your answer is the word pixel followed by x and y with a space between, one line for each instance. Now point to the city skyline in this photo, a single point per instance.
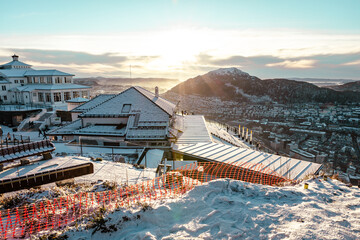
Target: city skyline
pixel 182 39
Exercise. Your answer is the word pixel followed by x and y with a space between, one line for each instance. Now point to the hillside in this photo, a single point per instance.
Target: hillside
pixel 323 82
pixel 350 87
pixel 234 84
pixel 230 209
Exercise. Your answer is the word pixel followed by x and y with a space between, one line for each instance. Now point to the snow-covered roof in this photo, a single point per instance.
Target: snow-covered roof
pixel 78 100
pixel 290 168
pixel 194 129
pixel 46 73
pixel 99 130
pixel 164 104
pixel 99 99
pixel 67 129
pixel 15 63
pixel 29 73
pixel 4 81
pixel 140 104
pixel 13 72
pixel 32 87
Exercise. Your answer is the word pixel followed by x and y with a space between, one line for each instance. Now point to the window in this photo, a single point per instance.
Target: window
pixel 42 79
pixel 16 81
pixel 29 80
pixel 47 97
pixel 5 98
pixel 57 97
pixel 67 79
pixel 41 97
pixel 49 80
pixel 85 94
pixel 36 79
pixel 58 80
pixel 126 108
pixel 21 81
pixel 3 88
pixel 76 94
pixel 67 96
pixel 34 94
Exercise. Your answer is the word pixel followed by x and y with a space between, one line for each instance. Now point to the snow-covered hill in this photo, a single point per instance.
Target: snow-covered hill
pixel 229 209
pixel 234 84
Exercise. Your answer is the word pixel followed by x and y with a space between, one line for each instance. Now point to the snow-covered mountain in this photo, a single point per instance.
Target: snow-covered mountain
pixel 234 84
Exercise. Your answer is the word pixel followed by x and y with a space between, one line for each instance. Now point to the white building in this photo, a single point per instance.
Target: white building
pixel 20 84
pixel 134 116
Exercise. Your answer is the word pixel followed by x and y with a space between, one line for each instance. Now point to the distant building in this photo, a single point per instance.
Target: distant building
pixel 320 134
pixel 301 154
pixel 20 84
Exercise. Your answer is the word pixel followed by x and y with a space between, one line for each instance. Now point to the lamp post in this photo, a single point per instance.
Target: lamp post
pixel 81 149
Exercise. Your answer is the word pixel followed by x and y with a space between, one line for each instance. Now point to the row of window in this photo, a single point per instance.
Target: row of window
pixel 21 66
pixel 17 81
pixel 46 97
pixel 48 80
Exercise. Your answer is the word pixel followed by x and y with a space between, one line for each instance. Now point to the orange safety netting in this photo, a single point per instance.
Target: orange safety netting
pixel 57 213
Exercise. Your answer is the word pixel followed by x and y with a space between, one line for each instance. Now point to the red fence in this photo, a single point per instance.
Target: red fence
pixel 53 214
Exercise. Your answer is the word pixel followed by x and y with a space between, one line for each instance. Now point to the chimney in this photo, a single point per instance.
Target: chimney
pixel 156 91
pixel 15 57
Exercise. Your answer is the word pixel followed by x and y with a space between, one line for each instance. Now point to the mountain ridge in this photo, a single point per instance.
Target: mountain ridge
pixel 234 84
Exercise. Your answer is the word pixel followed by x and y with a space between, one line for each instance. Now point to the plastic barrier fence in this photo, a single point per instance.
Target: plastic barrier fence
pixel 42 217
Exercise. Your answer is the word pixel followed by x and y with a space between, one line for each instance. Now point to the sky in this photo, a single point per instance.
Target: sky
pixel 180 39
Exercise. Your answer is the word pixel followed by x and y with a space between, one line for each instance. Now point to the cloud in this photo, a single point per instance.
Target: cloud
pixel 304 63
pixel 68 57
pixel 267 66
pixel 114 64
pixel 79 63
pixel 357 62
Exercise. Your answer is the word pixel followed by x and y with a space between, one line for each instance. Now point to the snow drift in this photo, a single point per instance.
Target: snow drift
pixel 230 209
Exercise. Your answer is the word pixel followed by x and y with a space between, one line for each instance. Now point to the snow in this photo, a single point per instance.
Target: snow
pixel 220 132
pixel 115 172
pixel 148 109
pixel 31 87
pixel 194 129
pixel 229 209
pixel 290 168
pixel 93 102
pixel 229 71
pixel 161 102
pixel 105 170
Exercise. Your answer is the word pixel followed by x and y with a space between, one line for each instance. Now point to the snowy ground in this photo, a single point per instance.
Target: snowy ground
pixel 103 170
pixel 229 209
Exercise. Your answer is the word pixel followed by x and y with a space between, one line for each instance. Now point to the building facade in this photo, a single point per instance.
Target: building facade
pixel 20 84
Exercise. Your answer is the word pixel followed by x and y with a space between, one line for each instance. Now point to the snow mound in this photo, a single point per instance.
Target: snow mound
pixel 230 209
pixel 229 71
